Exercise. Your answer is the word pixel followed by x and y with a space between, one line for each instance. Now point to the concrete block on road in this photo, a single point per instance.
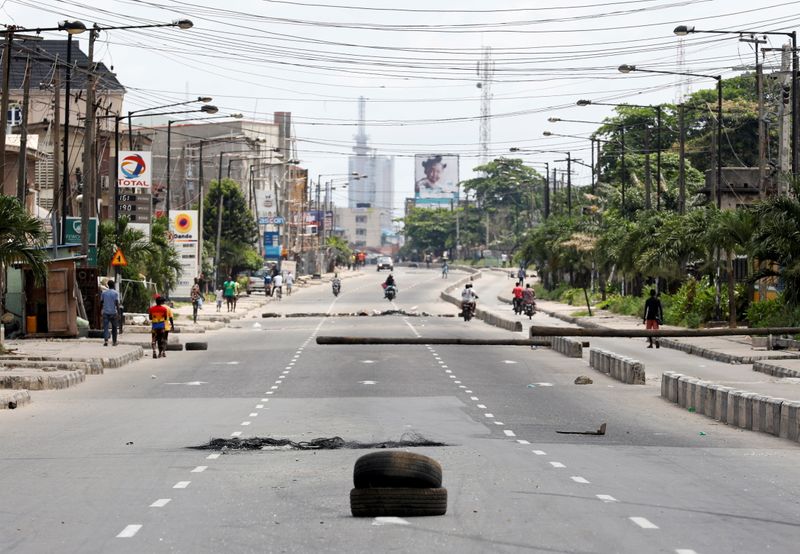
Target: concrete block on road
pixel 790 420
pixel 721 403
pixel 745 415
pixel 683 391
pixel 734 405
pixel 772 419
pixel 710 400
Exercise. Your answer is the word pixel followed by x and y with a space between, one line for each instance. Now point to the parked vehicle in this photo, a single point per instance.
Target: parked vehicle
pixel 255 281
pixel 385 262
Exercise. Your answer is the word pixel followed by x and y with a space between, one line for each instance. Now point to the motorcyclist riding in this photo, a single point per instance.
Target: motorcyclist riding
pixel 336 284
pixel 468 297
pixel 389 284
pixel 517 293
pixel 529 297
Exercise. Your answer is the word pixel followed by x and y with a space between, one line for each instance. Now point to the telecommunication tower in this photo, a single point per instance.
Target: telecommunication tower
pixel 485 74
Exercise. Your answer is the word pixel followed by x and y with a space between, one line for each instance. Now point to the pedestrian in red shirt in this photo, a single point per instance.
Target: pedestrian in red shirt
pixel 159 314
pixel 518 294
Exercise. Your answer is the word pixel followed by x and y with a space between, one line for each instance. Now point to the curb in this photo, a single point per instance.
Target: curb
pixel 483 315
pixel 775 370
pixel 42 380
pixel 747 410
pixel 16 398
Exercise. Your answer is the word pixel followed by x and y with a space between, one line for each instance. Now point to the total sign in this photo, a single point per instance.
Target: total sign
pixel 134 169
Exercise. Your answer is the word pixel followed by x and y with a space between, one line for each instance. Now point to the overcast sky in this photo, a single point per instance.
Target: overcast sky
pixel 416 63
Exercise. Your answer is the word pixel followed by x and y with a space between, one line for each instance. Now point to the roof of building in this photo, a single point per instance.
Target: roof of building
pixel 44 55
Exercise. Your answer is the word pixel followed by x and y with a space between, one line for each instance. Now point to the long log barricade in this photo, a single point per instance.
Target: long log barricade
pixel 621 368
pixel 332 340
pixel 746 410
pixel 542 331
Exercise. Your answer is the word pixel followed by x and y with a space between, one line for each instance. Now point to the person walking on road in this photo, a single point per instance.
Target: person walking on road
pixel 195 296
pixel 110 309
pixel 289 283
pixel 521 276
pixel 159 315
pixel 445 270
pixel 277 286
pixel 219 293
pixel 653 316
pixel 229 288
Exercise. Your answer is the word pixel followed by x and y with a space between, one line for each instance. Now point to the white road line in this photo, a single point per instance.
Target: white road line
pixel 469 392
pixel 475 398
pixel 482 406
pixel 213 456
pixel 684 551
pixel 444 366
pixel 245 423
pixel 278 382
pixel 274 387
pixel 389 520
pixel 270 392
pixel 457 382
pixel 129 531
pixel 499 423
pixel 160 503
pixel 452 376
pixel 181 484
pixel 449 371
pixel 606 498
pixel 509 433
pixel 253 414
pixel 265 399
pixel 461 386
pixel 259 406
pixel 539 452
pixel 236 434
pixel 488 415
pixel 644 523
pixel 199 469
pixel 522 441
pixel 286 372
pixel 579 479
pixel 557 464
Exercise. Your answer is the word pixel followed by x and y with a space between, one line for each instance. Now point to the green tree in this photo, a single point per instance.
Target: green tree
pixel 162 265
pixel 138 251
pixel 337 252
pixel 431 230
pixel 776 242
pixel 21 239
pixel 239 231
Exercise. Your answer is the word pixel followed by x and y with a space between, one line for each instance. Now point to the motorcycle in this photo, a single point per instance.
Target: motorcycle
pixel 516 304
pixel 467 310
pixel 390 292
pixel 336 287
pixel 529 309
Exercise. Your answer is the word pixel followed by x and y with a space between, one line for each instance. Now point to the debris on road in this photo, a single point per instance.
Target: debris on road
pixel 600 431
pixel 408 440
pixel 583 380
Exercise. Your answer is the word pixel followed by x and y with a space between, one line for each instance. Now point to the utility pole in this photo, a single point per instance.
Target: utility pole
pixel 784 122
pixel 648 180
pixel 658 157
pixel 681 159
pixel 22 183
pixel 219 222
pixel 88 152
pixel 546 190
pixel 56 150
pixel 4 100
pixel 594 178
pixel 65 194
pixel 569 184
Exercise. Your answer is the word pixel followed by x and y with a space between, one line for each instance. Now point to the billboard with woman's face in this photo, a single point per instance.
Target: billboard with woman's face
pixel 435 179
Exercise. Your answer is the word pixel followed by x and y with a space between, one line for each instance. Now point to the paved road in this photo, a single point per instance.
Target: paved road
pixel 105 467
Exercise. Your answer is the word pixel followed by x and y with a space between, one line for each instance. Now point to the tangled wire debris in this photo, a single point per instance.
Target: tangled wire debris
pixel 326 443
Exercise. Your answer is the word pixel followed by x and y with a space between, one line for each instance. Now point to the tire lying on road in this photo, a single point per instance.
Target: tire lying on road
pixel 398 502
pixel 174 346
pixel 397 469
pixel 196 346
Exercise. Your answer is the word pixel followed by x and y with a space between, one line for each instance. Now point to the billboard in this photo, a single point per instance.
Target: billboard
pixel 184 236
pixel 265 203
pixel 134 169
pixel 272 245
pixel 435 179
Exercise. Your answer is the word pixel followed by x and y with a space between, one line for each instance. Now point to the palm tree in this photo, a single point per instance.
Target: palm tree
pixel 21 239
pixel 776 242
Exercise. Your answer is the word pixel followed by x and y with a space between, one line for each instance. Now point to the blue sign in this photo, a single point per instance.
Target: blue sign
pixel 271 220
pixel 272 245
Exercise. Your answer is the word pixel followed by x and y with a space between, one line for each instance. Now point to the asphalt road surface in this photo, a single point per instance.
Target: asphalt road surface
pixel 106 466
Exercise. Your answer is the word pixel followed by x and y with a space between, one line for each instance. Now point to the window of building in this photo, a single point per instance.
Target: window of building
pixel 361 219
pixel 361 232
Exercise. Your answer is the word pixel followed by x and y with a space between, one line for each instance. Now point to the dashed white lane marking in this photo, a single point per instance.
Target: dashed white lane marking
pixel 449 371
pixel 265 399
pixel 389 521
pixel 129 531
pixel 557 464
pixel 509 433
pixel 270 392
pixel 468 391
pixel 181 484
pixel 457 382
pixel 522 441
pixel 452 376
pixel 245 423
pixel 236 434
pixel 259 406
pixel 278 382
pixel 461 386
pixel 482 406
pixel 606 498
pixel 509 362
pixel 579 479
pixel 368 382
pixel 286 372
pixel 499 423
pixel 488 415
pixel 199 469
pixel 160 503
pixel 475 398
pixel 540 452
pixel 213 456
pixel 274 387
pixel 368 362
pixel 288 367
pixel 684 551
pixel 643 522
pixel 253 414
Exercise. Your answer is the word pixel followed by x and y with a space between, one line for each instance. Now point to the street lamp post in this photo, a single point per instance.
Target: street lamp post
pixel 718 189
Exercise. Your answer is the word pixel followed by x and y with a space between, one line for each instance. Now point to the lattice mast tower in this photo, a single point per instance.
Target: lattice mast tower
pixel 485 74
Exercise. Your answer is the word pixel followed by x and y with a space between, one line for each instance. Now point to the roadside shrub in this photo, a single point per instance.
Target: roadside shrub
pixel 772 313
pixel 573 297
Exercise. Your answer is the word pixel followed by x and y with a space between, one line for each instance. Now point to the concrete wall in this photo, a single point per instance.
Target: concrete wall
pixel 621 368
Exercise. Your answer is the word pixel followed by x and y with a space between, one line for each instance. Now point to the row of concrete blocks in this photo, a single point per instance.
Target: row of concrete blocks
pixel 40 380
pixel 775 370
pixel 571 348
pixel 621 368
pixel 746 410
pixel 11 399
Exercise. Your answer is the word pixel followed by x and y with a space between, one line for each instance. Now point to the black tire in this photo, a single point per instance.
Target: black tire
pixel 196 346
pixel 95 334
pixel 398 502
pixel 173 346
pixel 395 468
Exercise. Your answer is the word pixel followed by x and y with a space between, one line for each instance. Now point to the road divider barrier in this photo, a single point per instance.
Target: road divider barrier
pixel 621 368
pixel 747 410
pixel 775 370
pixel 571 348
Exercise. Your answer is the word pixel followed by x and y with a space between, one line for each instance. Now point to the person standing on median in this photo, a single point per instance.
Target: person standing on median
pixel 110 302
pixel 653 316
pixel 195 295
pixel 229 287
